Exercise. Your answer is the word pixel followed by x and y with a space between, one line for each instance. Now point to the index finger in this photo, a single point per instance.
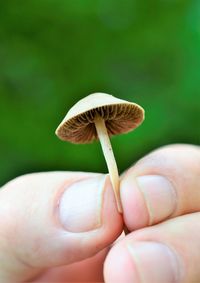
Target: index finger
pixel 162 185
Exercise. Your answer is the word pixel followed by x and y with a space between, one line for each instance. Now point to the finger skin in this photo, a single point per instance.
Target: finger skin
pixel 181 235
pixel 88 270
pixel 32 237
pixel 179 165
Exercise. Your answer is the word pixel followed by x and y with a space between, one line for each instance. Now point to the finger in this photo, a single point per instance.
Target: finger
pixel 162 185
pixel 164 253
pixel 52 219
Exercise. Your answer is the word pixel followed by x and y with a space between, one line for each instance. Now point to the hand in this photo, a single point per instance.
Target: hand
pixel 59 227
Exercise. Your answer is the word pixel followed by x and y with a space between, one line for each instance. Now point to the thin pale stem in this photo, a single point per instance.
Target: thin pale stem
pixel 109 157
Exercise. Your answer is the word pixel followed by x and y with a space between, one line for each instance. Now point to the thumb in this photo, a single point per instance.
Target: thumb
pixel 52 219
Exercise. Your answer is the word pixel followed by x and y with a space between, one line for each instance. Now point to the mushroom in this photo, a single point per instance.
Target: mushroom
pixel 99 116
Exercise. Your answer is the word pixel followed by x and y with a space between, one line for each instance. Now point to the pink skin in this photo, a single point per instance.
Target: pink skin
pixel 65 227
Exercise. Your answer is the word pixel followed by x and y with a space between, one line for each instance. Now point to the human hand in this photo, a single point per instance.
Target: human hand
pixel 51 221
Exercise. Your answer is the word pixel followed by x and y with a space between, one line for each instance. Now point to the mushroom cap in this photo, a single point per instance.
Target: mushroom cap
pixel 120 116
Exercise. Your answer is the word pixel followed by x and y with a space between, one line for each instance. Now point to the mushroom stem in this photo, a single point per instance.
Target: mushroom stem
pixel 109 157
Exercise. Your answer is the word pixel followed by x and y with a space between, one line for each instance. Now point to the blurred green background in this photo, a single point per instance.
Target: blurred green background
pixel 52 53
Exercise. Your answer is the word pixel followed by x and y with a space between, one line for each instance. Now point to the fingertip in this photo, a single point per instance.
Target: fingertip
pixel 112 219
pixel 110 199
pixel 88 213
pixel 147 200
pixel 134 207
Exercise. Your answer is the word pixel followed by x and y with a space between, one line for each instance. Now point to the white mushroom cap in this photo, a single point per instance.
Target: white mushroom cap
pixel 120 116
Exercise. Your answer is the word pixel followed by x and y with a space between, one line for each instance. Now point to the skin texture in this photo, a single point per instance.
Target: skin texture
pixel 65 227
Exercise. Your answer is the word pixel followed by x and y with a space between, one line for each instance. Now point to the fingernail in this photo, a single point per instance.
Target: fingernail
pixel 154 262
pixel 81 204
pixel 159 195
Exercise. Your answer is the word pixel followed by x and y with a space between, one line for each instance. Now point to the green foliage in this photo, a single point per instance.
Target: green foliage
pixel 52 53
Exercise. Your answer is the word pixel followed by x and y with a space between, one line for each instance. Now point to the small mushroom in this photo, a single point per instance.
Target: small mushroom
pixel 99 116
